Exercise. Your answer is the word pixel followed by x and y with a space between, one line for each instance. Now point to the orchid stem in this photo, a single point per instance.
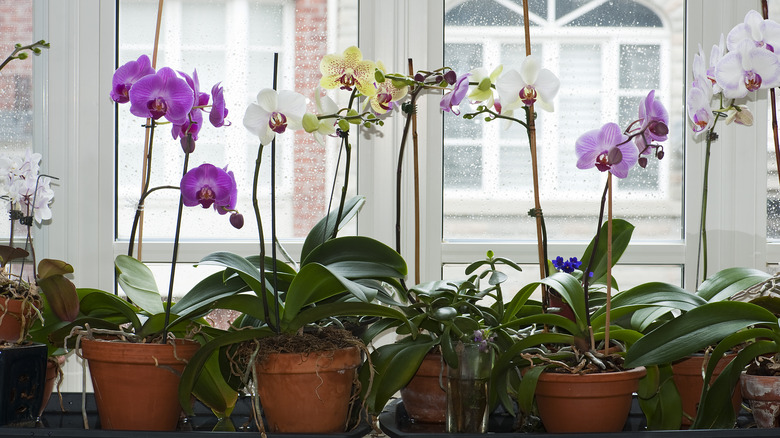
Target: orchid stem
pixel 263 291
pixel 591 256
pixel 174 256
pixel 146 181
pixel 347 165
pixel 274 270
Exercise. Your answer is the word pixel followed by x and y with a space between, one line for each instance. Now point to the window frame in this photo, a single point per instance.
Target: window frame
pixel 78 126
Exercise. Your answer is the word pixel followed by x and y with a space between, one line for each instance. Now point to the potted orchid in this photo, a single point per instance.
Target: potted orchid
pixel 141 332
pixel 563 352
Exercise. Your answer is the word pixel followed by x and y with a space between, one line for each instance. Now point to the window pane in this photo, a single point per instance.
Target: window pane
pixel 16 98
pixel 608 56
pixel 233 43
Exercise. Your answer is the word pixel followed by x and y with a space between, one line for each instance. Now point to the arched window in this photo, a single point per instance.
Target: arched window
pixel 608 56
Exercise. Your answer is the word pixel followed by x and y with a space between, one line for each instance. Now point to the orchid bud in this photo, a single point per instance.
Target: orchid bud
pixel 484 84
pixel 187 144
pixel 741 115
pixel 642 162
pixel 353 117
pixel 451 77
pixel 237 220
pixel 419 77
pixel 379 76
pixel 310 122
pixel 343 125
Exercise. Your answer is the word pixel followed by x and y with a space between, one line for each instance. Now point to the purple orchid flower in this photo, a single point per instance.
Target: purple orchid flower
pixel 127 75
pixel 218 110
pixel 655 123
pixel 163 94
pixel 208 185
pixel 607 149
pixel 451 100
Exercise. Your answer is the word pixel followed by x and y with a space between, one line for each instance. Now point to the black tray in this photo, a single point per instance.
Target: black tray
pixel 395 422
pixel 69 423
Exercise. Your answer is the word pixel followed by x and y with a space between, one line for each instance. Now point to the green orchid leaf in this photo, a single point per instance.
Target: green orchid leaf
pixel 207 291
pixel 695 330
pixel 195 366
pixel 313 284
pixel 723 284
pixel 661 295
pixel 212 389
pixel 349 251
pixel 378 328
pixel 394 365
pixel 659 399
pixel 245 269
pixel 323 230
pixel 621 236
pixel 572 292
pixel 100 304
pixel 527 389
pixel 550 319
pixel 318 313
pixel 138 283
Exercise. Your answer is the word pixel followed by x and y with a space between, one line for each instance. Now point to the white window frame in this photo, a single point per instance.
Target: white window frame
pixel 78 126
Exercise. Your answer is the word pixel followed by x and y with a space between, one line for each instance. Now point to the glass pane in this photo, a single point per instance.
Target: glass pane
pixel 16 92
pixel 606 65
pixel 233 43
pixel 639 65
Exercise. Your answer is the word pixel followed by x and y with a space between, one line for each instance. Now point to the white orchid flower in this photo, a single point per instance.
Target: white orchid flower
pixel 274 113
pixel 532 85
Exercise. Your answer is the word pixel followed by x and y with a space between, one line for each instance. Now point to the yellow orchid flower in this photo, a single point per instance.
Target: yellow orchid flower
pixel 386 93
pixel 483 92
pixel 348 70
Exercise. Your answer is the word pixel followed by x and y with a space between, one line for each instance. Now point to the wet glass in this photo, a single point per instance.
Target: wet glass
pixel 608 56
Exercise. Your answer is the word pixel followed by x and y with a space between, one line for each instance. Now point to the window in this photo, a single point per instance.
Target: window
pixel 237 48
pixel 17 102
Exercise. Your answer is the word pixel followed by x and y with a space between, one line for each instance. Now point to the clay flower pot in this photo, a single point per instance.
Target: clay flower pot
pixel 599 402
pixel 763 393
pixel 424 399
pixel 307 392
pixel 14 313
pixel 688 377
pixel 136 385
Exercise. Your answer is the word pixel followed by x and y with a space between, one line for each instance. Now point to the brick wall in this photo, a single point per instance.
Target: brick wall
pixel 310 173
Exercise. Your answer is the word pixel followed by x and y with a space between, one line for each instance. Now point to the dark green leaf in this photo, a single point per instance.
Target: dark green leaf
pixel 323 230
pixel 138 283
pixel 621 236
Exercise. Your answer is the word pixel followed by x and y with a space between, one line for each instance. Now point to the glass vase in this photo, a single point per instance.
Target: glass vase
pixel 467 390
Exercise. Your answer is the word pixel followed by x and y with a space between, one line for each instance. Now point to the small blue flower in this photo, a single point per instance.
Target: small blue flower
pixel 567 266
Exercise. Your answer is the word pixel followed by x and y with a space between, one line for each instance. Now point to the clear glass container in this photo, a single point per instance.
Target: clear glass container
pixel 468 387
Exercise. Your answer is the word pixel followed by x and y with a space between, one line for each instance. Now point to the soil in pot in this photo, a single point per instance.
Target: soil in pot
pixel 688 377
pixel 305 386
pixel 597 402
pixel 136 384
pixel 424 398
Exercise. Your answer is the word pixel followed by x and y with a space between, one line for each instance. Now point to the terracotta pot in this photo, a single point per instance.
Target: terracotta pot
pixel 307 393
pixel 424 399
pixel 13 313
pixel 136 385
pixel 565 309
pixel 600 402
pixel 688 377
pixel 763 393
